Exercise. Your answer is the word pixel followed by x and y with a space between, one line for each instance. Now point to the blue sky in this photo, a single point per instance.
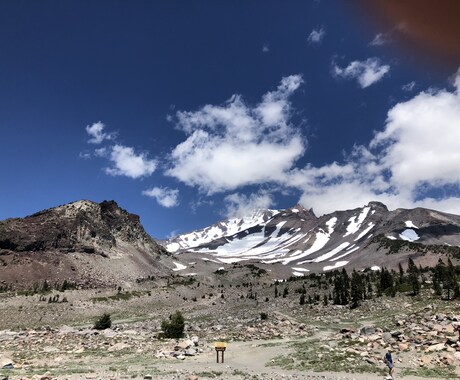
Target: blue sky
pixel 188 112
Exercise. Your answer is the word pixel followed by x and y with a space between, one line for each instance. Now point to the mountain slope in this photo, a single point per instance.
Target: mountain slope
pixel 84 242
pixel 360 238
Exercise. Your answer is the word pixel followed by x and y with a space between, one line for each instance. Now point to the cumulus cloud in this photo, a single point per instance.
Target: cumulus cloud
pixel 365 72
pixel 316 36
pixel 417 149
pixel 127 163
pixel 164 196
pixel 234 144
pixel 239 205
pixel 421 140
pixel 96 131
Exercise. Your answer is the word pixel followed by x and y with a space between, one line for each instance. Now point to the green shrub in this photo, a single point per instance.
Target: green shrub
pixel 103 322
pixel 174 328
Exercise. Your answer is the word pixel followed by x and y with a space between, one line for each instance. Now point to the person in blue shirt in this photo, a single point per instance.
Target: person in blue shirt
pixel 389 362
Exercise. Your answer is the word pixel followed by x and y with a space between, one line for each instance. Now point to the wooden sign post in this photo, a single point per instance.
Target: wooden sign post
pixel 220 347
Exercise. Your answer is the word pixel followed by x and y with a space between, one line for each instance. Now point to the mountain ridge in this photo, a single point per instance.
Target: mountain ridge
pixel 360 237
pixel 84 242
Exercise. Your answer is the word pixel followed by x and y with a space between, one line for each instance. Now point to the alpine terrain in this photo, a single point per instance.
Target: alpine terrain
pixel 367 237
pixel 83 242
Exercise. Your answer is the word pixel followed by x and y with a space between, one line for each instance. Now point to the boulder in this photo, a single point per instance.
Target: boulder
pixel 425 360
pixel 447 359
pixel 435 347
pixel 403 346
pixel 6 363
pixel 367 330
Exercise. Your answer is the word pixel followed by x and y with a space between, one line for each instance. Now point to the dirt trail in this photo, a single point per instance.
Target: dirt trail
pixel 244 360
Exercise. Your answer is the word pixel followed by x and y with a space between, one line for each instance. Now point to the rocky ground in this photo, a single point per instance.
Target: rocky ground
pixel 268 338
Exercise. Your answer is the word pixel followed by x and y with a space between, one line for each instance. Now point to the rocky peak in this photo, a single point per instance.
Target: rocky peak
pixel 78 226
pixel 378 206
pixel 302 212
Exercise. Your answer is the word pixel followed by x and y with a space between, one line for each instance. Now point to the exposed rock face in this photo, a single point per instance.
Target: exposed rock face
pixel 81 241
pixel 366 237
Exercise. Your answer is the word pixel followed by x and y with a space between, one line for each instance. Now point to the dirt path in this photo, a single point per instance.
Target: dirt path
pixel 248 360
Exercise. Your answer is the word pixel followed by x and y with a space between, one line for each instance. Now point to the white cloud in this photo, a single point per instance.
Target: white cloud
pixel 265 48
pixel 421 140
pixel 418 148
pixel 85 155
pixel 316 36
pixel 96 131
pixel 127 163
pixel 233 145
pixel 239 205
pixel 164 196
pixel 366 72
pixel 101 152
pixel 385 38
pixel 380 39
pixel 408 86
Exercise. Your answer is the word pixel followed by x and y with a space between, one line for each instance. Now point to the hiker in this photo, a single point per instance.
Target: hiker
pixel 389 362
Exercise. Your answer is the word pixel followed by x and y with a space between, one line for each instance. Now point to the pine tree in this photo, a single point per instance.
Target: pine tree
pixel 345 298
pixel 338 285
pixel 401 273
pixel 174 328
pixel 357 289
pixel 450 281
pixel 302 299
pixel 439 275
pixel 414 275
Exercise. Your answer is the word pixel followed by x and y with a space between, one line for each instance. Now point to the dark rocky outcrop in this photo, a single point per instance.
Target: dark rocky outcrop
pixel 84 241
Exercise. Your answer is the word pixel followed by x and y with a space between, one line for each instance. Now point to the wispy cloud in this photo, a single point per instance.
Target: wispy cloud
pixel 164 196
pixel 408 86
pixel 265 48
pixel 365 72
pixel 239 205
pixel 380 39
pixel 96 131
pixel 386 37
pixel 127 163
pixel 316 36
pixel 234 144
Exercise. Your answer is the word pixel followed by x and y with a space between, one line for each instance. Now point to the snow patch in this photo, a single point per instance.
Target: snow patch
pixel 409 235
pixel 356 221
pixel 332 253
pixel 173 247
pixel 298 274
pixel 179 266
pixel 375 268
pixel 345 254
pixel 301 269
pixel 371 226
pixel 321 240
pixel 391 237
pixel 338 264
pixel 409 224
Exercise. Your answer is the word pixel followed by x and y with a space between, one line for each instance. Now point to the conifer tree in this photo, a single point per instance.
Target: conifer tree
pixel 357 289
pixel 414 275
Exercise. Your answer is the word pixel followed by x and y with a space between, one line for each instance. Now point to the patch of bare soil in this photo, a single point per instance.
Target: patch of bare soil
pixel 42 337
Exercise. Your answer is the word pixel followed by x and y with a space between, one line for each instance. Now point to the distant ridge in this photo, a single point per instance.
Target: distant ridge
pixel 366 237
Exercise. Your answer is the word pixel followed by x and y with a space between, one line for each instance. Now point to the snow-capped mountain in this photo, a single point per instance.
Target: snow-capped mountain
pixel 371 236
pixel 218 231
